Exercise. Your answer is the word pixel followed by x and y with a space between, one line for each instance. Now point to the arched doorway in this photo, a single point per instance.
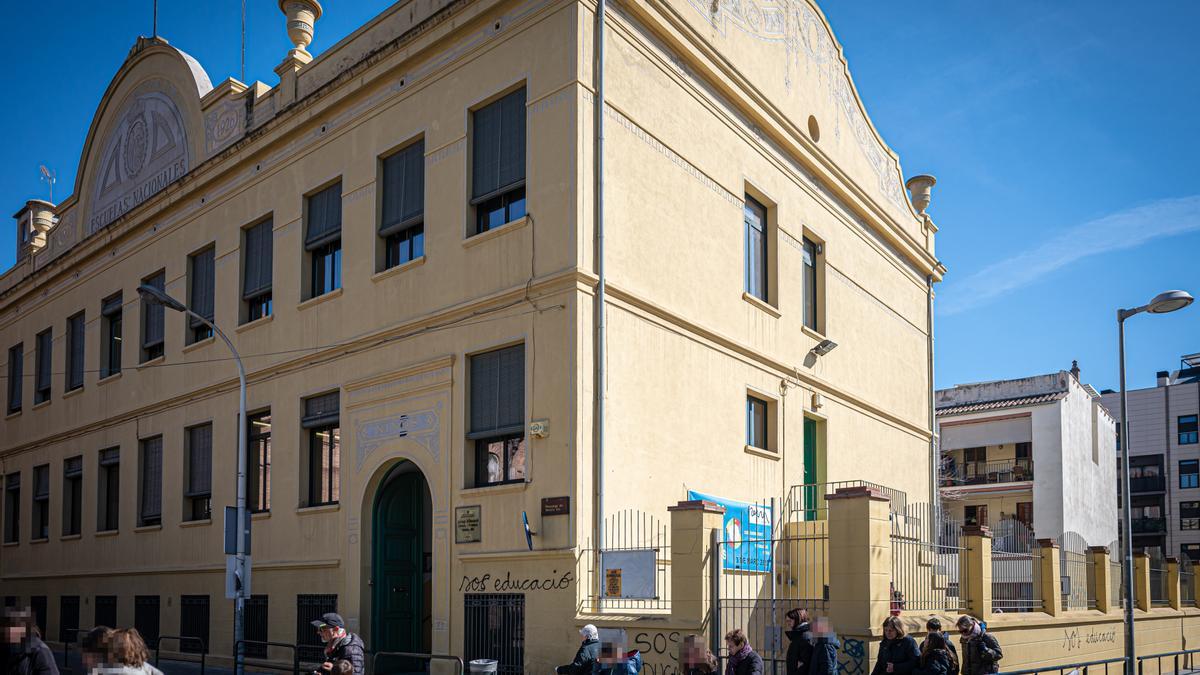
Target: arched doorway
pixel 400 571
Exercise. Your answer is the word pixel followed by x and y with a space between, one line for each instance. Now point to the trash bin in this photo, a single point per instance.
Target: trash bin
pixel 484 666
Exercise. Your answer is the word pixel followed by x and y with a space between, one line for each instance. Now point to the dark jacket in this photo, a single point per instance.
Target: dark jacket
pixel 349 647
pixel 937 663
pixel 824 655
pixel 631 666
pixel 949 644
pixel 32 657
pixel 800 650
pixel 584 659
pixel 980 654
pixel 752 664
pixel 901 653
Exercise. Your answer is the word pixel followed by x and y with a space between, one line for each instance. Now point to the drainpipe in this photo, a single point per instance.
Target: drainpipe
pixel 934 454
pixel 598 351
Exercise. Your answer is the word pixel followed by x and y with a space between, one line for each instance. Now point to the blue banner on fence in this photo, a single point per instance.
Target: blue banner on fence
pixel 746 534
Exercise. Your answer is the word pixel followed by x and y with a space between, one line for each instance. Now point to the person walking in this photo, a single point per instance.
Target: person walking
pixel 24 652
pixel 800 645
pixel 937 657
pixel 127 654
pixel 339 644
pixel 981 652
pixel 695 658
pixel 934 625
pixel 898 651
pixel 585 656
pixel 743 660
pixel 825 644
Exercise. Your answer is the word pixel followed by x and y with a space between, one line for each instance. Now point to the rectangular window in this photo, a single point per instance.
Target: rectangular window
pixel 256 270
pixel 72 495
pixel 324 448
pixel 256 626
pixel 110 334
pixel 68 617
pixel 201 281
pixel 402 209
pixel 106 611
pixel 110 490
pixel 1024 450
pixel 1186 426
pixel 755 220
pixel 75 342
pixel 44 359
pixel 150 494
pixel 1025 513
pixel 498 415
pixel 41 502
pixel 756 422
pixel 12 508
pixel 258 491
pixel 309 608
pixel 1189 473
pixel 498 162
pixel 809 283
pixel 323 240
pixel 193 623
pixel 198 494
pixel 153 318
pixel 494 628
pixel 145 618
pixel 1189 515
pixel 1190 551
pixel 975 515
pixel 38 604
pixel 16 377
pixel 975 455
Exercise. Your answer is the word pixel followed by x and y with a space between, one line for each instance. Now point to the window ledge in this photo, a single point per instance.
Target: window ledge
pixel 148 528
pixel 321 508
pixel 8 544
pixel 393 271
pixel 759 452
pixel 107 533
pixel 496 232
pixel 499 489
pixel 72 392
pixel 154 361
pixel 15 413
pixel 70 537
pixel 812 334
pixel 43 404
pixel 335 293
pixel 196 523
pixel 255 323
pixel 200 345
pixel 769 309
pixel 260 515
pixel 43 540
pixel 109 378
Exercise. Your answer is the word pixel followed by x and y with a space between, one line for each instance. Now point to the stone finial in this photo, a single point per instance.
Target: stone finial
pixel 301 16
pixel 34 220
pixel 920 189
pixel 1075 369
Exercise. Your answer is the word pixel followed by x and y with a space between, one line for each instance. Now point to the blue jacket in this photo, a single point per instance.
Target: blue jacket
pixel 632 666
pixel 824 656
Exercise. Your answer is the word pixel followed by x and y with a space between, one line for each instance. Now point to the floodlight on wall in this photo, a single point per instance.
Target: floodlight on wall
pixel 824 347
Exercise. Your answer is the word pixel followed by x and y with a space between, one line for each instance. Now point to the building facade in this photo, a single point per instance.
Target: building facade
pixel 1164 459
pixel 1037 450
pixel 399 238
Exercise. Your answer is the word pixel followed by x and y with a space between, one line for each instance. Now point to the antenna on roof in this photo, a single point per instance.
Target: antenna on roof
pixel 154 26
pixel 243 40
pixel 48 176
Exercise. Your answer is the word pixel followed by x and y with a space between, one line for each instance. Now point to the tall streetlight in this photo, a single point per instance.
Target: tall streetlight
pixel 155 296
pixel 1161 304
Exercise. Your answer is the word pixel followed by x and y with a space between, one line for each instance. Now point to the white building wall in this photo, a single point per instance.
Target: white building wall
pixel 1089 483
pixel 1047 470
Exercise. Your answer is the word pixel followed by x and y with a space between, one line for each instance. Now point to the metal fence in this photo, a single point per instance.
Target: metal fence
pixel 1158 578
pixel 807 501
pixel 928 561
pixel 1016 568
pixel 494 628
pixel 1116 574
pixel 1075 574
pixel 632 569
pixel 1187 588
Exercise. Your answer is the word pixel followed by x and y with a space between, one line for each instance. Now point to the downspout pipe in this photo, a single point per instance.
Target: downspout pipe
pixel 935 459
pixel 599 348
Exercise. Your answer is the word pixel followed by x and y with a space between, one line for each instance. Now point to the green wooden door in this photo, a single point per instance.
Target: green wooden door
pixel 810 469
pixel 398 576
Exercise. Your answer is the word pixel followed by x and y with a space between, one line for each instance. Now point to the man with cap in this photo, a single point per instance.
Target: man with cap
pixel 338 643
pixel 587 654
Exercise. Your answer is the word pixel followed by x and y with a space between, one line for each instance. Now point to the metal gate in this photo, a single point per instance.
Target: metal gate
pixel 494 626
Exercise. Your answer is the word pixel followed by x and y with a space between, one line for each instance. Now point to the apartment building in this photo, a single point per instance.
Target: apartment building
pixel 1164 459
pixel 400 239
pixel 1037 450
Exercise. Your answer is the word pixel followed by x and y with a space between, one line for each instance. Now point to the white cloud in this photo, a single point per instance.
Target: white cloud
pixel 1114 232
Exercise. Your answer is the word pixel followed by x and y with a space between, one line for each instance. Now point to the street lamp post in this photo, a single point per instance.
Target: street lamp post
pixel 1161 304
pixel 153 295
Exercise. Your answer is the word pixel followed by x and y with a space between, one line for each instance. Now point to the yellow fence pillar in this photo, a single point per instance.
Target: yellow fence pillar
pixel 975 572
pixel 692 524
pixel 1173 598
pixel 1051 581
pixel 860 560
pixel 1141 581
pixel 1102 578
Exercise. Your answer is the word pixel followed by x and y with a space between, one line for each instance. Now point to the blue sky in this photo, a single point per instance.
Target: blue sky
pixel 1062 135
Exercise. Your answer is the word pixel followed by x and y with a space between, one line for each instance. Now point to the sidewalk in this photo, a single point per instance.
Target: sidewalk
pixel 168 667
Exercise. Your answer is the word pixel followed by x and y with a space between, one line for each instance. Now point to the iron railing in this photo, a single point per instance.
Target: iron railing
pixel 1147 484
pixel 494 628
pixel 1016 568
pixel 1187 588
pixel 1102 667
pixel 807 501
pixel 390 658
pixel 638 545
pixel 1116 575
pixel 987 473
pixel 1158 579
pixel 263 662
pixel 1181 662
pixel 183 639
pixel 1075 574
pixel 1149 525
pixel 928 561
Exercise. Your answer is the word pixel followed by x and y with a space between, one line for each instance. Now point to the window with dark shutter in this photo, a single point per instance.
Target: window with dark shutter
pixel 75 338
pixel 809 284
pixel 72 495
pixel 12 507
pixel 324 222
pixel 146 618
pixel 110 349
pixel 193 624
pixel 498 161
pixel 45 342
pixel 497 415
pixel 257 269
pixel 152 320
pixel 755 218
pixel 202 270
pixel 110 490
pixel 199 486
pixel 150 512
pixel 324 448
pixel 41 502
pixel 403 189
pixel 321 410
pixel 16 377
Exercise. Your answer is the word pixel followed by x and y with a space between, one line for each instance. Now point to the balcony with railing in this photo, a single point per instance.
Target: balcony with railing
pixel 1149 525
pixel 1146 484
pixel 989 473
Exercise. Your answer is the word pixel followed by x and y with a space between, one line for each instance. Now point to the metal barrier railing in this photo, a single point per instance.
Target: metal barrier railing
pixel 928 555
pixel 1114 666
pixel 457 661
pixel 267 664
pixel 182 638
pixel 1186 658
